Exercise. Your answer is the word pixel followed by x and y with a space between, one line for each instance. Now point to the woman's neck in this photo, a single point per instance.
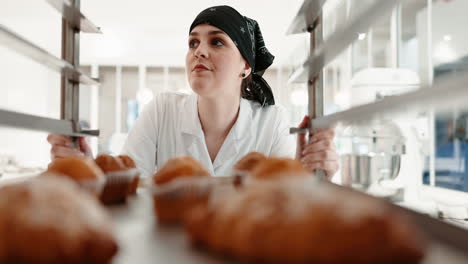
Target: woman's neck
pixel 217 116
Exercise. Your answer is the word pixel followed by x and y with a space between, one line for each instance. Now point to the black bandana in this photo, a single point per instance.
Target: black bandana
pixel 245 33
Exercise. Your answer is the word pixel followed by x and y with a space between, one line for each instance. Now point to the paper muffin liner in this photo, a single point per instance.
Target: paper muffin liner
pixel 117 185
pixel 134 185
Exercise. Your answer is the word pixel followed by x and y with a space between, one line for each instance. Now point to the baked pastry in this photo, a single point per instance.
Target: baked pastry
pixel 50 220
pixel 76 168
pixel 108 163
pixel 249 161
pixel 245 165
pixel 179 176
pixel 179 167
pixel 82 170
pixel 127 161
pixel 118 181
pixel 303 221
pixel 130 164
pixel 277 168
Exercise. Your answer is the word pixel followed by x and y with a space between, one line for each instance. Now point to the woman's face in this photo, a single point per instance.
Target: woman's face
pixel 214 65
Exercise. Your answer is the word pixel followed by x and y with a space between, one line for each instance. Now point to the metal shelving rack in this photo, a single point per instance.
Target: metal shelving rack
pixel 71 77
pixel 443 94
pixel 323 52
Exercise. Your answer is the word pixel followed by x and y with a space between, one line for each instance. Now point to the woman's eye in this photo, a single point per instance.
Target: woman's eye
pixel 217 42
pixel 193 43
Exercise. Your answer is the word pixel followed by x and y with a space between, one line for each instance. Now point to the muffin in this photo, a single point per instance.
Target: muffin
pixel 118 179
pixel 50 220
pixel 82 170
pixel 302 221
pixel 245 165
pixel 130 164
pixel 108 163
pixel 249 161
pixel 278 168
pixel 179 185
pixel 177 168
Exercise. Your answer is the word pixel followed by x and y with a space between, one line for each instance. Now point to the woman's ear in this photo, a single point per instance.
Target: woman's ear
pixel 247 69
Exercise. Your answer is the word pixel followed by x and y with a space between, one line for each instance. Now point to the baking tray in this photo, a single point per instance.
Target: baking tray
pixel 141 240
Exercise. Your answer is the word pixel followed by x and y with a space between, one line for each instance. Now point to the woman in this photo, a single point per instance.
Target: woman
pixel 231 112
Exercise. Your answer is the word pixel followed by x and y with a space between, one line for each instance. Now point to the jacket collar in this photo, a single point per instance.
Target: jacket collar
pixel 243 125
pixel 189 121
pixel 190 125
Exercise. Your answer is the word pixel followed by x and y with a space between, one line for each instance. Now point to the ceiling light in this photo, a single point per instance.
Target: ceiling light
pixel 361 36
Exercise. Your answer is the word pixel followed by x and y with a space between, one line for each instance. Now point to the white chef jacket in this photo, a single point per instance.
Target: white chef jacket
pixel 169 127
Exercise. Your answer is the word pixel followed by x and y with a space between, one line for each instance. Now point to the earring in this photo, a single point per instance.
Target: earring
pixel 243 75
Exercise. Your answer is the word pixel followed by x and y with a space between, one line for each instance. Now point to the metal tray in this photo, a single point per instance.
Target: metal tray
pixel 141 240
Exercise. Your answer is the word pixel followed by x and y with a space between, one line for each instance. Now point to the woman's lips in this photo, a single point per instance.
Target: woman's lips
pixel 200 67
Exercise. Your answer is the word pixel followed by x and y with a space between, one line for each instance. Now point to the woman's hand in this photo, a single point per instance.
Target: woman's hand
pixel 62 146
pixel 317 152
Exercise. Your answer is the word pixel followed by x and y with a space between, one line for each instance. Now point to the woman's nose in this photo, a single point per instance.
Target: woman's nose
pixel 201 51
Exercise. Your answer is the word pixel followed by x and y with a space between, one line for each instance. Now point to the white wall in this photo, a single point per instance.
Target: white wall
pixel 147 31
pixel 29 88
pixel 449 19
